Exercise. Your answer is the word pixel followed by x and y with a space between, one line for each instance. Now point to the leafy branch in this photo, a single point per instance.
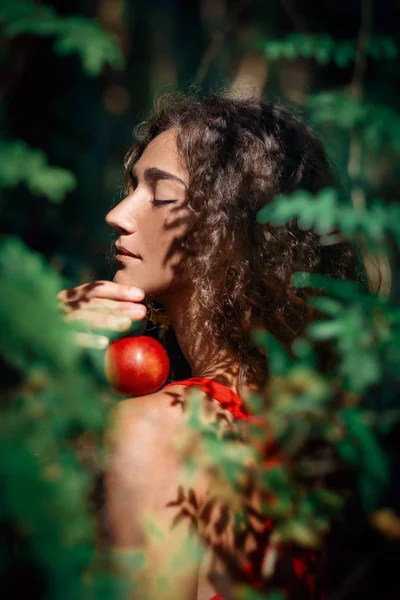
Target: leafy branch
pixel 326 211
pixel 324 48
pixel 21 164
pixel 74 34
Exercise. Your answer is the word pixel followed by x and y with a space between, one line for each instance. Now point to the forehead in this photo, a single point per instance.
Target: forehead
pixel 162 152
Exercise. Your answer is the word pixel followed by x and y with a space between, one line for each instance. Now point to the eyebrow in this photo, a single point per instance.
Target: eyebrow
pixel 153 174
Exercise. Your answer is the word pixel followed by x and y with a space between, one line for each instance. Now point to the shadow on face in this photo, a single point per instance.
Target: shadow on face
pixel 152 220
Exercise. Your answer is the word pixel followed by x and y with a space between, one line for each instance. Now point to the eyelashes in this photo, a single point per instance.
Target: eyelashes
pixel 162 202
pixel 132 185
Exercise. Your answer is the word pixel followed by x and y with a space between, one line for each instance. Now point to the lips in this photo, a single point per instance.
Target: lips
pixel 122 250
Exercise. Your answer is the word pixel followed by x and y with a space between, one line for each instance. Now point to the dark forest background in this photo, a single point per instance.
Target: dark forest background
pixel 76 77
pixel 84 123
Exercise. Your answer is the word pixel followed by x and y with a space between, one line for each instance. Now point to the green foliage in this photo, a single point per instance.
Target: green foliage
pixel 300 409
pixel 212 452
pixel 54 407
pixel 360 449
pixel 278 359
pixel 378 125
pixel 28 282
pixel 363 328
pixel 21 164
pixel 247 593
pixel 326 211
pixel 52 421
pixel 95 46
pixel 323 48
pixel 43 421
pixel 73 34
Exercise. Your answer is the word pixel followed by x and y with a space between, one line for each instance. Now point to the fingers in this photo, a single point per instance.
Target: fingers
pixel 134 311
pixel 90 340
pixel 102 289
pixel 102 305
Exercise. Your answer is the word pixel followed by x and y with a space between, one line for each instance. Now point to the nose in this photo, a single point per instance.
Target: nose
pixel 121 218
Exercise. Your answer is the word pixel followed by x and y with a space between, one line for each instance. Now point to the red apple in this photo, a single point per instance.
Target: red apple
pixel 136 366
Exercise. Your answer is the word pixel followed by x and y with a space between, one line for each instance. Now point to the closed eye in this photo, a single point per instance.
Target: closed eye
pixel 161 202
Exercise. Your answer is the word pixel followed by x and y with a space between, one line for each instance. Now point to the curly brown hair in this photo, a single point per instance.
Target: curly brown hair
pixel 240 154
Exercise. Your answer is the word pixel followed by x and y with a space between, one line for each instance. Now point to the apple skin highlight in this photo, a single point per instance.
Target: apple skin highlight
pixel 136 366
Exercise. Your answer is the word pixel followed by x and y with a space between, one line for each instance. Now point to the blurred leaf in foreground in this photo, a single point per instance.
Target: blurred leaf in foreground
pixel 21 164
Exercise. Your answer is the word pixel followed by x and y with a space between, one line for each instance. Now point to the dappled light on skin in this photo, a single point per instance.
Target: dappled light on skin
pixel 206 516
pixel 302 491
pixel 243 485
pixel 217 505
pixel 155 209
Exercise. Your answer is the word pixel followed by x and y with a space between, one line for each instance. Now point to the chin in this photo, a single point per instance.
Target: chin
pixel 152 291
pixel 125 278
pixel 119 277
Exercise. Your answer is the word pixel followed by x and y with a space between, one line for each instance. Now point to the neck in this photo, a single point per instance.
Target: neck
pixel 203 356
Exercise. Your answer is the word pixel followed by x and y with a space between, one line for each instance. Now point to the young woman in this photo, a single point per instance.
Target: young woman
pixel 188 238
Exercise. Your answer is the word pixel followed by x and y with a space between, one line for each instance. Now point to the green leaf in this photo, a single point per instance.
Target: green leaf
pixel 306 45
pixel 273 49
pixel 358 327
pixel 324 330
pixel 361 450
pixel 289 50
pixel 341 288
pixel 95 46
pixel 378 126
pixel 304 352
pixel 249 593
pixel 323 48
pixel 278 358
pixel 21 164
pixel 326 305
pixel 73 34
pixel 255 403
pixel 325 211
pixel 344 53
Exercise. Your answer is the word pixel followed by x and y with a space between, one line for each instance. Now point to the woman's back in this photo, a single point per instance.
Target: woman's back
pixel 233 552
pixel 146 478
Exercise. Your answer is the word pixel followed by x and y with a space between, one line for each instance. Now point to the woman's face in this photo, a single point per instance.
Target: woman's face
pixel 153 218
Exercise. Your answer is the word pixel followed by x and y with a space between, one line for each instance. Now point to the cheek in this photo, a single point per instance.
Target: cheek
pixel 168 242
pixel 175 229
pixel 173 260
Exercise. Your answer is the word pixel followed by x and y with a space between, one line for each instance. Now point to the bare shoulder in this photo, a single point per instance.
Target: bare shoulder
pixel 147 475
pixel 211 410
pixel 143 479
pixel 152 417
pixel 164 410
pixel 144 434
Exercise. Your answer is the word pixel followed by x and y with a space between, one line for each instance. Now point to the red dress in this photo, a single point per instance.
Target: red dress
pixel 233 402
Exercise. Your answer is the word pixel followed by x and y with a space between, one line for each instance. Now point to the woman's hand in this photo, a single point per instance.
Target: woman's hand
pixel 102 305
